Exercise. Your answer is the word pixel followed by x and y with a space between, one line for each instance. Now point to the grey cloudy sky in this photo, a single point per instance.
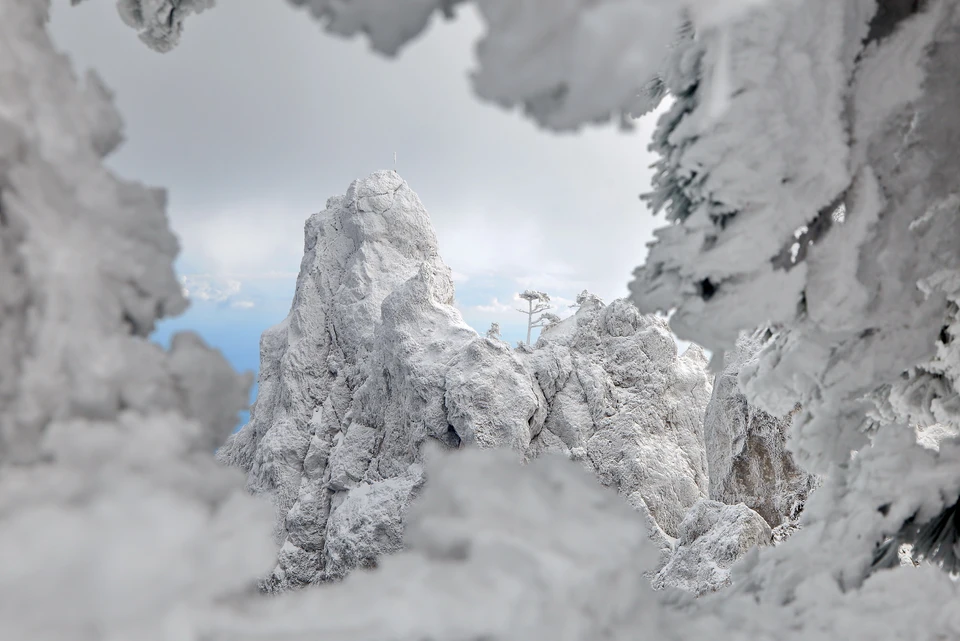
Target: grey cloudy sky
pixel 258 117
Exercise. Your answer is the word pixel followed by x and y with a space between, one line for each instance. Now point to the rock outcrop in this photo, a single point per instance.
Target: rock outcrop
pixel 714 537
pixel 625 403
pixel 746 448
pixel 374 361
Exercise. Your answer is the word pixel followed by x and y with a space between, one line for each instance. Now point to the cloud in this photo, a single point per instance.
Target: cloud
pixel 223 290
pixel 255 239
pixel 495 307
pixel 560 305
pixel 209 288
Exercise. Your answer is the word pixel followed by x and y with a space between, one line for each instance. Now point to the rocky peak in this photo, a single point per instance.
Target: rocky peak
pixel 374 362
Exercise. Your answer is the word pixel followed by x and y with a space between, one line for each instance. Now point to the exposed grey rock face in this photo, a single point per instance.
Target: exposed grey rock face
pixel 301 446
pixel 374 362
pixel 371 361
pixel 713 537
pixel 747 458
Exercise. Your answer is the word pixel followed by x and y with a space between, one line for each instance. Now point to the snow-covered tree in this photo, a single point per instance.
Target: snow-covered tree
pixel 494 332
pixel 784 114
pixel 788 111
pixel 538 304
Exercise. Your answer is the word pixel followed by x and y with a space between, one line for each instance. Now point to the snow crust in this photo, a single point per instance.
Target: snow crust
pixel 715 536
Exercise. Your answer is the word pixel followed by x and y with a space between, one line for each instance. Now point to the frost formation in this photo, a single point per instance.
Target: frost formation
pixel 116 524
pixel 374 361
pixel 115 521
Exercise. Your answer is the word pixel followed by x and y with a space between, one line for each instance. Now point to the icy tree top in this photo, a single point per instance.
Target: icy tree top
pixel 533 295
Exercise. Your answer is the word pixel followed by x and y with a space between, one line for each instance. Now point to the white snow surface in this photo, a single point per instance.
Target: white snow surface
pixel 374 361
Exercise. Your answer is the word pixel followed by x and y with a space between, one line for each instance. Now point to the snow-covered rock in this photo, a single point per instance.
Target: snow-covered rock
pixel 747 457
pixel 713 537
pixel 624 402
pixel 374 361
pixel 302 445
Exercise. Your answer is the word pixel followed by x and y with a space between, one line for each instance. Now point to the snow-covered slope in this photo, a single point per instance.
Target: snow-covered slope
pixel 374 361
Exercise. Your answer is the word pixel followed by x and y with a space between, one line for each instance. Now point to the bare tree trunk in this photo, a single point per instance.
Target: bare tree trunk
pixel 529 319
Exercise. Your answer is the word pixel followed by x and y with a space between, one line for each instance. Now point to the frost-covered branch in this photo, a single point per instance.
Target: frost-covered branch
pixel 537 303
pixel 546 319
pixel 116 521
pixel 593 61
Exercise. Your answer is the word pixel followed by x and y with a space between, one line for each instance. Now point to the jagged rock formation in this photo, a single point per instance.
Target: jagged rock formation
pixel 746 447
pixel 374 361
pixel 715 536
pixel 302 446
pixel 624 402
